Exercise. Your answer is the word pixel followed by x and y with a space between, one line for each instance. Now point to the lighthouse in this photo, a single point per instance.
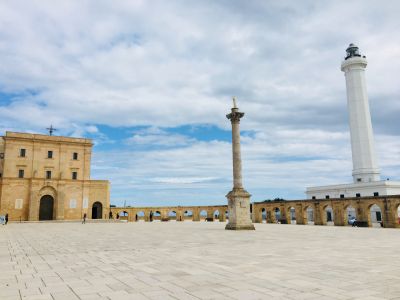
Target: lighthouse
pixel 366 173
pixel 365 165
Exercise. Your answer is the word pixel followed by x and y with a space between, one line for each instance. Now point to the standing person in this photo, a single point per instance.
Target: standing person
pixel 6 218
pixel 84 219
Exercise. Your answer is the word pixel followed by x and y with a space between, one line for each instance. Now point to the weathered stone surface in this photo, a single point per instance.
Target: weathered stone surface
pixel 238 198
pixel 20 197
pixel 193 260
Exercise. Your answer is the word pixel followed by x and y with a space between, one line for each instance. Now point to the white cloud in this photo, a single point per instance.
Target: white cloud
pixel 79 65
pixel 155 136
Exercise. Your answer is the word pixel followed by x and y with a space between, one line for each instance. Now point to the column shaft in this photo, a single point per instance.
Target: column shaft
pixel 237 160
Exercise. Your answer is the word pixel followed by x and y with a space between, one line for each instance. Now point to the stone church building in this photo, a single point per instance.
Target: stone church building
pixel 46 177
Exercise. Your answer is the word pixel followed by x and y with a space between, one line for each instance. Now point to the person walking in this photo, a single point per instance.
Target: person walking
pixel 6 218
pixel 84 219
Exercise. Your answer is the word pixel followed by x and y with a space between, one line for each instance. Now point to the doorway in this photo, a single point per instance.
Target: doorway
pixel 97 210
pixel 46 208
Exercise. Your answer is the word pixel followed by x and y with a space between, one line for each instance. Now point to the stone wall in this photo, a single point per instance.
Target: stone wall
pixel 388 206
pixel 318 208
pixel 193 213
pixel 20 197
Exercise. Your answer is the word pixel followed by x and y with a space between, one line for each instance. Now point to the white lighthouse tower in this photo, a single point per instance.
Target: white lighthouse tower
pixel 365 166
pixel 366 174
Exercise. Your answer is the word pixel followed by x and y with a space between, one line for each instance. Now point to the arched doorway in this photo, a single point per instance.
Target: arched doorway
pixel 375 219
pixel 123 215
pixel 263 215
pixel 292 214
pixel 350 215
pixel 216 215
pixel 157 216
pixel 398 214
pixel 140 216
pixel 172 215
pixel 188 215
pixel 97 210
pixel 277 215
pixel 329 218
pixel 310 215
pixel 203 215
pixel 46 208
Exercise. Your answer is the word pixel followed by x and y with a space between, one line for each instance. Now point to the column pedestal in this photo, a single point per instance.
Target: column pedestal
pixel 239 210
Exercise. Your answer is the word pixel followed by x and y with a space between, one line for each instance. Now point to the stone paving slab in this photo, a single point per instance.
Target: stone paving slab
pixel 197 260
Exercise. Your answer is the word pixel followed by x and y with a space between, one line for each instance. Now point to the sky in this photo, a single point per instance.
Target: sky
pixel 151 83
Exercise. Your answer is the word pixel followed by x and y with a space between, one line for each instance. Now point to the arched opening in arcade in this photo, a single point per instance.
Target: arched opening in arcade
pixel 203 215
pixel 292 215
pixel 350 215
pixel 188 215
pixel 46 208
pixel 328 217
pixel 216 215
pixel 398 215
pixel 309 216
pixel 157 216
pixel 172 215
pixel 277 215
pixel 97 210
pixel 263 215
pixel 139 216
pixel 227 215
pixel 123 215
pixel 375 216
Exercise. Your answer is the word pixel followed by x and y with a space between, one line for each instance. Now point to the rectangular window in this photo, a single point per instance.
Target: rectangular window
pixel 19 203
pixel 22 152
pixel 49 154
pixel 74 175
pixel 21 173
pixel 48 174
pixel 327 197
pixel 376 194
pixel 358 179
pixel 341 195
pixel 75 156
pixel 358 195
pixel 72 203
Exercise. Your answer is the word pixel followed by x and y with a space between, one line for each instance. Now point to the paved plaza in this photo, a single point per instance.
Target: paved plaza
pixel 197 260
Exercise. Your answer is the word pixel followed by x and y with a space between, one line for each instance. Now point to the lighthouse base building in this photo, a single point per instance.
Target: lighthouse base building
pixel 364 189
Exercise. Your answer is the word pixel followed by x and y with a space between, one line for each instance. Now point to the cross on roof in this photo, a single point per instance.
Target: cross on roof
pixel 51 129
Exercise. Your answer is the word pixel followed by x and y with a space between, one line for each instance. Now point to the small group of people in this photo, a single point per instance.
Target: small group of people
pixel 4 220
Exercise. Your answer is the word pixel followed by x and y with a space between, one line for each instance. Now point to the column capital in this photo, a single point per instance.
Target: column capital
pixel 235 115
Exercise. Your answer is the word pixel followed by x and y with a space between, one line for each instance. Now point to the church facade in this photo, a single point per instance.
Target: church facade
pixel 48 178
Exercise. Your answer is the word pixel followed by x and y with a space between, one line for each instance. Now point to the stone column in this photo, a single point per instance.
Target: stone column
pixel 238 198
pixel 338 213
pixel 196 215
pixel 299 214
pixel 390 213
pixel 317 214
